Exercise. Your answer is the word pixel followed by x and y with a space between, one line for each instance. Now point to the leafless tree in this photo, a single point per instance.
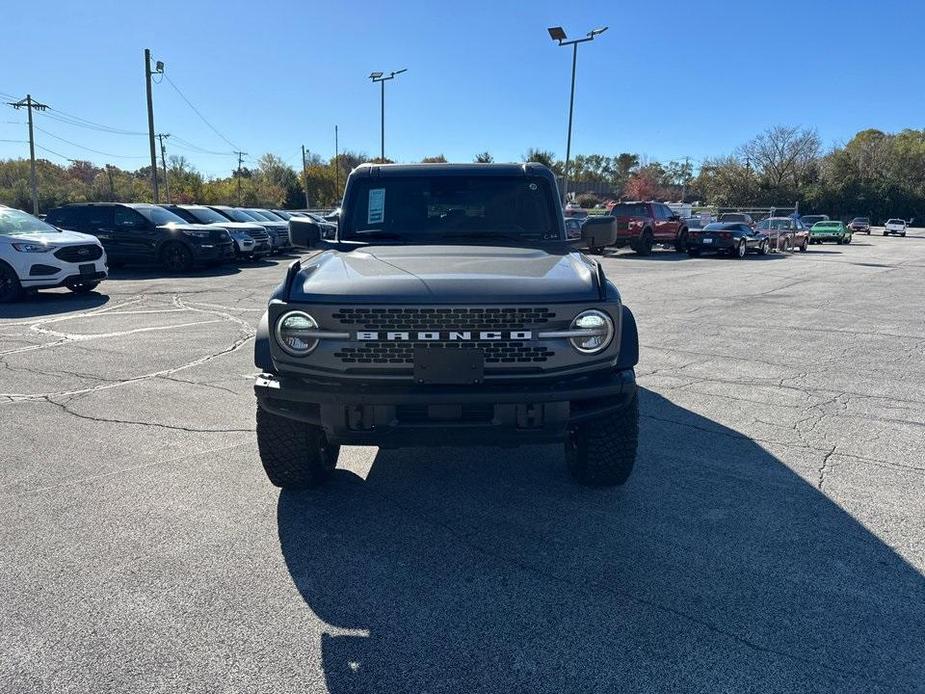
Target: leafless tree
pixel 782 155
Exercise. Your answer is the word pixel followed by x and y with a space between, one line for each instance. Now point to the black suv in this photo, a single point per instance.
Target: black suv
pixel 142 233
pixel 450 309
pixel 250 239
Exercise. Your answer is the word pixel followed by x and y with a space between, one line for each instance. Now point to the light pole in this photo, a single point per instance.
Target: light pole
pixel 382 78
pixel 558 34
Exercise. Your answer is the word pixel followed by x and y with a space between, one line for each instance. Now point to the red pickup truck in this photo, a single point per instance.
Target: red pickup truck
pixel 640 225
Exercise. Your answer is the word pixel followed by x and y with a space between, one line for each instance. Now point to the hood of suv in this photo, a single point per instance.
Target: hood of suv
pixel 52 238
pixel 446 274
pixel 239 226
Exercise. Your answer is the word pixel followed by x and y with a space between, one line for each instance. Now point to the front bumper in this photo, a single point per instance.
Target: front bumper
pixel 211 252
pixel 391 416
pixel 35 273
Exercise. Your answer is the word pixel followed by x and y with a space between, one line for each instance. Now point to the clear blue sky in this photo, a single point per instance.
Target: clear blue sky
pixel 669 79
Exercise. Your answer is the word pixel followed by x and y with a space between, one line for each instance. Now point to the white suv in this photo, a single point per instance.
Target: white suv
pixel 895 226
pixel 36 255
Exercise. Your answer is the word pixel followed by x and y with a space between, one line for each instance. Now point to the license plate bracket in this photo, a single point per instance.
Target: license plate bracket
pixel 448 365
pixel 87 269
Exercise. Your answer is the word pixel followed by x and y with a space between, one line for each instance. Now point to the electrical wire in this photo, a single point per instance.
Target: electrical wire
pixel 89 149
pixel 186 144
pixel 57 154
pixel 81 123
pixel 196 111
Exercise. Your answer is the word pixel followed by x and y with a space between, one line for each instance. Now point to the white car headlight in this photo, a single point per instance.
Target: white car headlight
pixel 296 333
pixel 597 327
pixel 33 247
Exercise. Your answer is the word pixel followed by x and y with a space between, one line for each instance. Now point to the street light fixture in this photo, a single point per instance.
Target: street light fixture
pixel 557 34
pixel 382 78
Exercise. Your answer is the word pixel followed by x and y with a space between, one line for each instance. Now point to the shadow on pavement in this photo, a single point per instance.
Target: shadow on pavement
pixel 154 271
pixel 49 302
pixel 715 568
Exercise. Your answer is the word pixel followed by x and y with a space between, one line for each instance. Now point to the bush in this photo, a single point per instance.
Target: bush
pixel 587 200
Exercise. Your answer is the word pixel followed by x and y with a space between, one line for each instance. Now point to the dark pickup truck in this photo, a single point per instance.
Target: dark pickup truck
pixel 449 309
pixel 640 225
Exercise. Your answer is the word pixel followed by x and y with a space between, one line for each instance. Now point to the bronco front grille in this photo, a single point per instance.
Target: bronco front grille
pixel 442 318
pixel 507 352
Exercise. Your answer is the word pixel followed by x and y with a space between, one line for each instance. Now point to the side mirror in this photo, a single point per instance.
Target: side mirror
pixel 304 233
pixel 599 231
pixel 675 218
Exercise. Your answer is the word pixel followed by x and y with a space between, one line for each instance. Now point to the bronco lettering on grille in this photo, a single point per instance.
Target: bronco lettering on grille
pixel 443 336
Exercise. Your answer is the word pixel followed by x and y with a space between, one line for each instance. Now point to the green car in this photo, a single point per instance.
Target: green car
pixel 829 231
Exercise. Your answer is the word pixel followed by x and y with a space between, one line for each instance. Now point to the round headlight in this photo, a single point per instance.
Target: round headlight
pixel 294 333
pixel 598 332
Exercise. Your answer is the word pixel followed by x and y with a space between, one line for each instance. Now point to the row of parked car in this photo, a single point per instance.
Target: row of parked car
pixel 643 225
pixel 76 244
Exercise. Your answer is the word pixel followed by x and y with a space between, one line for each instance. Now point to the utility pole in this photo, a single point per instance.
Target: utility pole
pixel 241 156
pixel 160 137
pixel 382 78
pixel 336 168
pixel 687 163
pixel 112 188
pixel 305 178
pixel 158 69
pixel 28 103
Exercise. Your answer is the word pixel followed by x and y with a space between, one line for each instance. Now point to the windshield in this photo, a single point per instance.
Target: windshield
pixel 238 215
pixel 283 214
pixel 158 215
pixel 440 207
pixel 776 224
pixel 14 222
pixel 259 214
pixel 732 217
pixel 204 215
pixel 861 220
pixel 270 216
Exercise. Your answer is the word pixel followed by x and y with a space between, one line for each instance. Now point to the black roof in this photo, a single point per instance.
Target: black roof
pixel 388 170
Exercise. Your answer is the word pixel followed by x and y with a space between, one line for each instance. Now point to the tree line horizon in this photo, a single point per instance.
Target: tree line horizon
pixel 875 174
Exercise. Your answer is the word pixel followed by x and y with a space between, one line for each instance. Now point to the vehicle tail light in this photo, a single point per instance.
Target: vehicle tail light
pixel 725 235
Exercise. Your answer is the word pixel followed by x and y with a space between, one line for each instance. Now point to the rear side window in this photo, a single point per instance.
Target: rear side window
pixel 630 210
pixel 95 217
pixel 62 217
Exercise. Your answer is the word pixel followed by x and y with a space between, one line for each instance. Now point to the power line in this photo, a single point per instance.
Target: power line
pixel 196 111
pixel 57 154
pixel 202 150
pixel 71 119
pixel 89 149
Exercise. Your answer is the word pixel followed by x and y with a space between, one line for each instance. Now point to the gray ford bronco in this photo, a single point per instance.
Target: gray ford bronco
pixel 448 309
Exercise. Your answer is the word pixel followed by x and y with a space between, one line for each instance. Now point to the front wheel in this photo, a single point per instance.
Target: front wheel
pixel 681 243
pixel 602 452
pixel 739 250
pixel 176 257
pixel 643 246
pixel 295 455
pixel 763 248
pixel 10 288
pixel 903 233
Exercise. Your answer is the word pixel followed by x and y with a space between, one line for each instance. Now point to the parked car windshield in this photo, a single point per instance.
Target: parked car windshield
pixel 204 215
pixel 442 207
pixel 776 224
pixel 261 215
pixel 158 215
pixel 13 222
pixel 239 215
pixel 861 220
pixel 896 221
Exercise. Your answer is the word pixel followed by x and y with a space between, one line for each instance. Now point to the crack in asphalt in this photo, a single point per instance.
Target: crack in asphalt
pixel 173 427
pixel 824 468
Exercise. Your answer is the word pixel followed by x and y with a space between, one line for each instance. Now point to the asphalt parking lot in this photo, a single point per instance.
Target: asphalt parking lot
pixel 772 537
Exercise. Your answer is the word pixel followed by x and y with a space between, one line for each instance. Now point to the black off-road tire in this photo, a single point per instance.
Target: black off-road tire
pixel 602 452
pixel 643 245
pixel 680 245
pixel 295 455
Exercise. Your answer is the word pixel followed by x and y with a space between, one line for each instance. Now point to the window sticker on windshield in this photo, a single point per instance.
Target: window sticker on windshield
pixel 376 207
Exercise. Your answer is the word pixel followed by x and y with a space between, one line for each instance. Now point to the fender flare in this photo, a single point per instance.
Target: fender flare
pixel 629 341
pixel 263 360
